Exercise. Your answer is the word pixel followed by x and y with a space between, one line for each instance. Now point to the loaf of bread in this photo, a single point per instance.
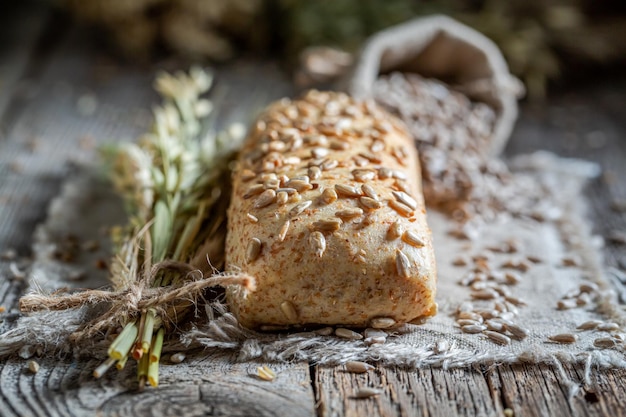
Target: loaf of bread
pixel 328 215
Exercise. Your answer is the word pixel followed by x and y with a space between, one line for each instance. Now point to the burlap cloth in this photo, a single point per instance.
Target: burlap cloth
pixel 559 251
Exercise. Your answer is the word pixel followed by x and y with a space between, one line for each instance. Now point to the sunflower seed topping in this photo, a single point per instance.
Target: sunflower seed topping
pixel 405 199
pixel 253 250
pixel 329 195
pixel 349 213
pixel 382 322
pixel 347 190
pixel 401 208
pixel 289 310
pixel 282 233
pixel 329 225
pixel 412 239
pixel 403 264
pixel 299 208
pixel 318 243
pixel 266 198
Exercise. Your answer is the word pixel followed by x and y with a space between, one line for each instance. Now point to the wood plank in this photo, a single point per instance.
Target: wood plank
pixel 205 384
pixel 422 392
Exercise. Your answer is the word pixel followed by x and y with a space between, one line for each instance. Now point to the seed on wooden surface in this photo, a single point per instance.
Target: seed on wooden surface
pixel 255 189
pixel 498 338
pixel 403 264
pixel 607 327
pixel 604 342
pixel 589 325
pixel 33 367
pixel 518 332
pixel 508 412
pixel 588 287
pixel 347 334
pixel 566 304
pixel 289 310
pixel 178 357
pixel 369 203
pixel 564 338
pixel 405 199
pixel 470 315
pixel 347 190
pixel 368 392
pixel 382 322
pixel 318 243
pixel 324 331
pixel 369 191
pixel 265 373
pixel 467 322
pixel 329 225
pixel 349 213
pixel 314 173
pixel 253 250
pixel 394 231
pixel 473 328
pixel 358 367
pixel 266 198
pixel 412 239
pixel 282 233
pixel 299 208
pixel 441 346
pixel 363 175
pixel 486 294
pixel 252 218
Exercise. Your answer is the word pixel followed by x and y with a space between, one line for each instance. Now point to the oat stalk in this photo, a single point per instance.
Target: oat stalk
pixel 173 182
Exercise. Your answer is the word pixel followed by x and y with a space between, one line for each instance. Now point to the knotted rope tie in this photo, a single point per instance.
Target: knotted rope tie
pixel 138 297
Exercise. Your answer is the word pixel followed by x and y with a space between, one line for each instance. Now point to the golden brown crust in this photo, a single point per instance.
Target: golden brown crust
pixel 341 236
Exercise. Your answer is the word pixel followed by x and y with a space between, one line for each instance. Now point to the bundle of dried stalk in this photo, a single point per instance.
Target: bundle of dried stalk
pixel 173 183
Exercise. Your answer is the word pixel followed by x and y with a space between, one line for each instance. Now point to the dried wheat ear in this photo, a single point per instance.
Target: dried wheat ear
pixel 327 213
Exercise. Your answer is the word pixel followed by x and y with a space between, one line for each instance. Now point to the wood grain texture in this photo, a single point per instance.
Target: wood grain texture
pixel 424 392
pixel 205 384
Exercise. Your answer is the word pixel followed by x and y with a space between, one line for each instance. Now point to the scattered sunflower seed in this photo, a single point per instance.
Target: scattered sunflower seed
pixel 265 373
pixel 347 334
pixel 33 366
pixel 382 322
pixel 565 338
pixel 358 367
pixel 589 325
pixel 498 338
pixel 368 392
pixel 177 357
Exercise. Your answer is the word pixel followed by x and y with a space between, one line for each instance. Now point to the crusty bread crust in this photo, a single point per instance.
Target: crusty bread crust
pixel 327 214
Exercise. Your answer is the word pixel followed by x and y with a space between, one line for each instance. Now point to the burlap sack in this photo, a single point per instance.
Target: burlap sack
pixel 442 48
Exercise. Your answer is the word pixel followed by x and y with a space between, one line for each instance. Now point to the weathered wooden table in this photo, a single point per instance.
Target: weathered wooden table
pixel 59 98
